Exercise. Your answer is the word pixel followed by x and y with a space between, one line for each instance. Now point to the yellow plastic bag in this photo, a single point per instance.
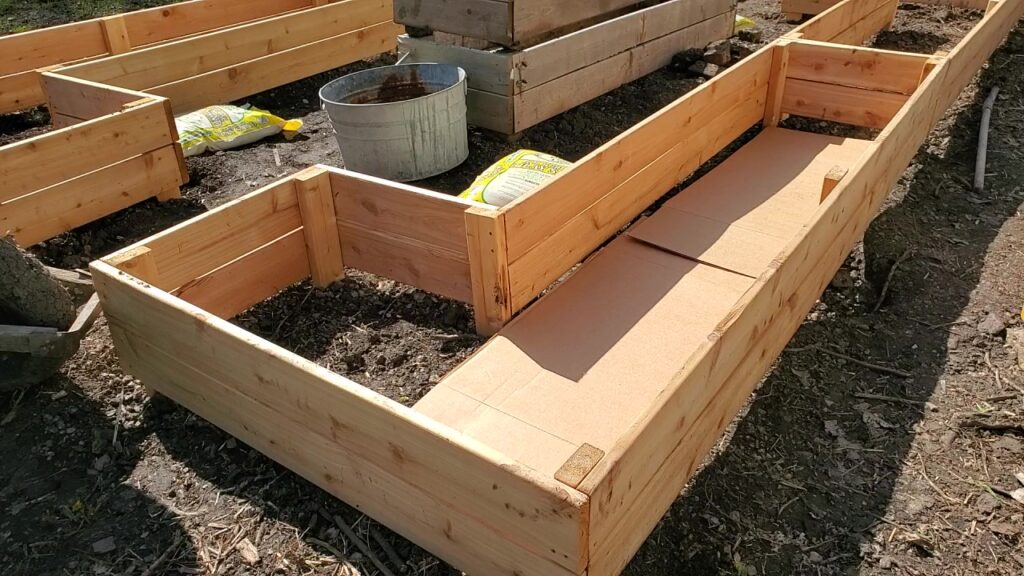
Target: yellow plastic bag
pixel 742 22
pixel 513 176
pixel 226 127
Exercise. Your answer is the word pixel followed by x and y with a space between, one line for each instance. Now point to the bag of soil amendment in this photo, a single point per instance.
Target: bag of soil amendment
pixel 513 176
pixel 226 127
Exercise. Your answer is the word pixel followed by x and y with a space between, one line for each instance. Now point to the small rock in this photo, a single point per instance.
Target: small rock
pixel 1011 445
pixel 382 360
pixel 1015 340
pixel 1004 528
pixel 741 51
pixel 705 69
pixel 684 59
pixel 104 546
pixel 815 558
pixel 986 504
pixel 992 325
pixel 886 562
pixel 247 550
pixel 948 438
pixel 750 35
pixel 718 52
pixel 100 463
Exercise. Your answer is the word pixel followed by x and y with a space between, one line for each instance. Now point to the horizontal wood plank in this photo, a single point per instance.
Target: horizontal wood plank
pixel 555 58
pixel 379 204
pixel 839 19
pixel 85 100
pixel 48 46
pixel 840 103
pixel 425 266
pixel 20 91
pixel 485 19
pixel 552 98
pixel 57 209
pixel 190 57
pixel 199 246
pixel 867 68
pixel 251 279
pixel 234 82
pixel 54 157
pixel 185 18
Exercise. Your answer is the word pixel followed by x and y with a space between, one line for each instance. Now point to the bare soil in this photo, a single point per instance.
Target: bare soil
pixel 835 467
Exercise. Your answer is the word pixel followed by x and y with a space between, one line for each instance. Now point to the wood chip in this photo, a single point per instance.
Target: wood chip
pixel 247 550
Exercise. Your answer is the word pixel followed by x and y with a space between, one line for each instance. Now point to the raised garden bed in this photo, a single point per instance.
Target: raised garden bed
pixel 114 114
pixel 557 446
pixel 511 90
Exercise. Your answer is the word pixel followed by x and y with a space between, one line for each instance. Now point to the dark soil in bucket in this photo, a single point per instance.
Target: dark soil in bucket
pixel 394 89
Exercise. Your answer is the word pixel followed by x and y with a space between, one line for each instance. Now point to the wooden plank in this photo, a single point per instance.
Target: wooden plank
pixel 776 83
pixel 402 232
pixel 534 217
pixel 642 476
pixel 485 19
pixel 250 279
pixel 549 99
pixel 48 46
pixel 199 246
pixel 837 20
pixel 190 57
pixel 185 18
pixel 62 207
pixel 807 6
pixel 137 261
pixel 490 111
pixel 20 91
pixel 867 27
pixel 487 71
pixel 86 100
pixel 425 266
pixel 832 179
pixel 539 515
pixel 488 260
pixel 115 34
pixel 840 103
pixel 378 204
pixel 867 68
pixel 319 226
pixel 555 58
pixel 538 18
pixel 234 82
pixel 51 158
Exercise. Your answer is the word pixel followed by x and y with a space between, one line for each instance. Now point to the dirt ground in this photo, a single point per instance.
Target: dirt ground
pixel 884 441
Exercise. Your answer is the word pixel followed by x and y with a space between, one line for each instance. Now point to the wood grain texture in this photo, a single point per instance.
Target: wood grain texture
pixel 65 206
pixel 319 226
pixel 491 514
pixel 60 155
pixel 842 104
pixel 856 67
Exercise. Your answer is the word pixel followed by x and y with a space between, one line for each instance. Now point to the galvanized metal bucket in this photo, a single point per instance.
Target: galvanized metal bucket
pixel 404 122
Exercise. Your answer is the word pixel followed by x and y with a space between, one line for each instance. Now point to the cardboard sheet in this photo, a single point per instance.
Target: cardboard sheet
pixel 741 214
pixel 586 361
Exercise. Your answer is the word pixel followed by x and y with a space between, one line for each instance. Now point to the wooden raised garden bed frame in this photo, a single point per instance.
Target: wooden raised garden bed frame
pixel 509 91
pixel 563 486
pixel 509 23
pixel 116 142
pixel 796 10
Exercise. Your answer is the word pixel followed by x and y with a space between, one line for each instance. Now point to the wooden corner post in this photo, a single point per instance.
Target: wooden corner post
pixel 488 265
pixel 319 226
pixel 776 83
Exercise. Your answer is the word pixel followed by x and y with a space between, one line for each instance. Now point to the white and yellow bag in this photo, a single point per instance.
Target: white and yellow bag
pixel 226 127
pixel 513 176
